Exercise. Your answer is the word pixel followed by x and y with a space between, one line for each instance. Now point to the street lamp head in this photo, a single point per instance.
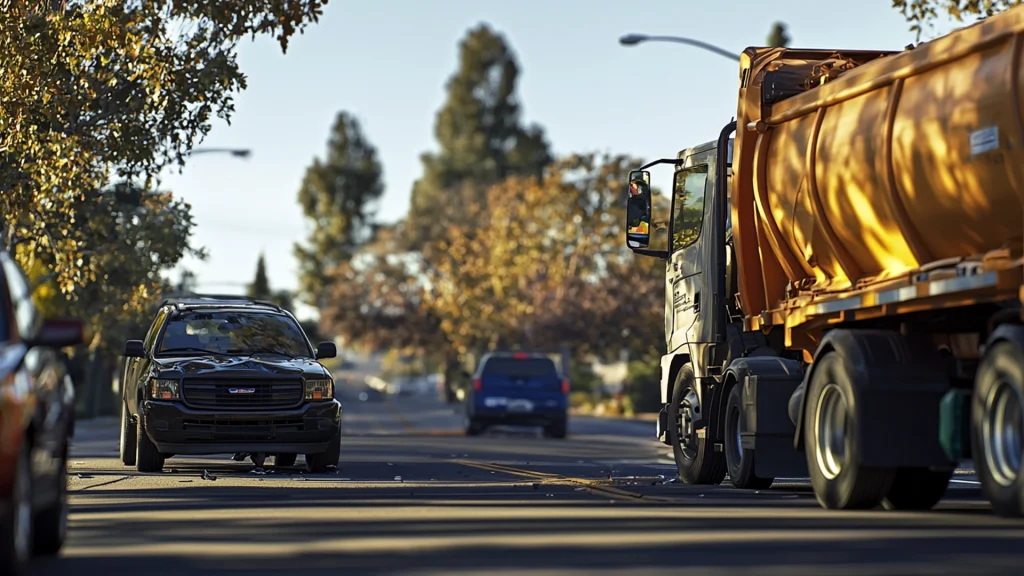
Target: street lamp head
pixel 241 153
pixel 631 39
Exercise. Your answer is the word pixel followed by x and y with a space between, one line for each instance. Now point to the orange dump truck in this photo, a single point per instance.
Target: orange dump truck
pixel 844 274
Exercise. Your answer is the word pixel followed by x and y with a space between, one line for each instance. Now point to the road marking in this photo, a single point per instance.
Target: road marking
pixel 547 477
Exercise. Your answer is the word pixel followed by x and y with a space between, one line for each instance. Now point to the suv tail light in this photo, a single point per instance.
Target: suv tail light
pixel 521 356
pixel 478 383
pixel 565 386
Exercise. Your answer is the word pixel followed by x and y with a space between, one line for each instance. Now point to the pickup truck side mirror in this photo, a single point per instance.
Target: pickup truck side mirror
pixel 134 349
pixel 59 333
pixel 326 350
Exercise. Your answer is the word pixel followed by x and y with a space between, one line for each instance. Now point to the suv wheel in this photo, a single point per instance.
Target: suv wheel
pixel 51 523
pixel 16 524
pixel 148 458
pixel 319 463
pixel 129 437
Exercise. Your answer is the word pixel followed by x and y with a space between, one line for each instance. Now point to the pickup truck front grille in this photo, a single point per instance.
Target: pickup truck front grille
pixel 237 394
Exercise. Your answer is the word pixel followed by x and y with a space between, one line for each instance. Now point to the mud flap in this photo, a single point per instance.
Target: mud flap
pixel 768 384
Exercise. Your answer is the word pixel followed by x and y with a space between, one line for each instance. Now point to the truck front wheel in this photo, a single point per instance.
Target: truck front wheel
pixel 695 457
pixel 831 441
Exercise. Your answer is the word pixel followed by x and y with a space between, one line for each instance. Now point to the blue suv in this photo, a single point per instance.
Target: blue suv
pixel 519 389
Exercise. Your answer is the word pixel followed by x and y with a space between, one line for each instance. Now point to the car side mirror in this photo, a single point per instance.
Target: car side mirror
pixel 638 210
pixel 134 349
pixel 326 350
pixel 60 332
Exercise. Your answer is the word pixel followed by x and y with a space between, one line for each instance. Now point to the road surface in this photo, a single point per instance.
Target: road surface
pixel 415 496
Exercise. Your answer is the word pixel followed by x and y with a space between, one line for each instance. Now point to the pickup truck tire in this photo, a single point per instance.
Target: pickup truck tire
pixel 474 428
pixel 917 489
pixel 557 429
pixel 996 440
pixel 129 437
pixel 830 441
pixel 695 458
pixel 16 521
pixel 148 458
pixel 319 463
pixel 50 525
pixel 740 460
pixel 284 460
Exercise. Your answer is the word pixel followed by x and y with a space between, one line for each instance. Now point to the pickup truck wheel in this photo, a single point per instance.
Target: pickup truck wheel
pixel 997 427
pixel 917 489
pixel 51 523
pixel 284 460
pixel 16 521
pixel 695 458
pixel 830 439
pixel 319 463
pixel 129 437
pixel 148 458
pixel 739 459
pixel 474 427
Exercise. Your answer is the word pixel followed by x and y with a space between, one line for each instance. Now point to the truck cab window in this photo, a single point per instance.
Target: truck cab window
pixel 688 205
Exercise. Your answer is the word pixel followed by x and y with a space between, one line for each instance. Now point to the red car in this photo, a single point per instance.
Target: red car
pixel 37 410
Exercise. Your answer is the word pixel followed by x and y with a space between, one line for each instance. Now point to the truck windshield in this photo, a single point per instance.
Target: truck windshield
pixel 234 333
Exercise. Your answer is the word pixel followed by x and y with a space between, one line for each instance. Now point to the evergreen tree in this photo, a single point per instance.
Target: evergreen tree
pixel 338 196
pixel 260 287
pixel 481 139
pixel 779 36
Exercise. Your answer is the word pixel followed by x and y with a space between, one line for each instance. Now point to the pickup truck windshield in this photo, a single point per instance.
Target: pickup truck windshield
pixel 232 332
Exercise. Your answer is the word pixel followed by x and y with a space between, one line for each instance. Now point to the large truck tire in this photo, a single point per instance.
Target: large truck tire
pixel 996 422
pixel 740 461
pixel 695 457
pixel 831 443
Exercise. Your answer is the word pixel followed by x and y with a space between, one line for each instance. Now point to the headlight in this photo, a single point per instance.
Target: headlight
pixel 163 389
pixel 321 389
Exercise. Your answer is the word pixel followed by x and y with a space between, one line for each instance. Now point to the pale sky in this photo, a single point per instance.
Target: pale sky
pixel 387 62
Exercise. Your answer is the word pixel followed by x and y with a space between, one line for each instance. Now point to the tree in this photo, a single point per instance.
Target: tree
pixel 338 197
pixel 922 14
pixel 93 89
pixel 481 140
pixel 778 37
pixel 260 287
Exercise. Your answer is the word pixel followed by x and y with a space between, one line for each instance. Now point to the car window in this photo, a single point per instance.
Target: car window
pixel 520 368
pixel 233 332
pixel 154 329
pixel 18 289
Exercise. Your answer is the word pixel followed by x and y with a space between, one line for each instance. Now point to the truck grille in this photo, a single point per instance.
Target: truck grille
pixel 265 395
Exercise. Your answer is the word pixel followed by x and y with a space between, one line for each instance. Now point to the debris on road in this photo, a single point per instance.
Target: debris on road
pixel 258 471
pixel 84 476
pixel 398 478
pixel 207 476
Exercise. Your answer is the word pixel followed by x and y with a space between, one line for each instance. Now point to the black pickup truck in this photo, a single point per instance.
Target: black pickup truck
pixel 218 374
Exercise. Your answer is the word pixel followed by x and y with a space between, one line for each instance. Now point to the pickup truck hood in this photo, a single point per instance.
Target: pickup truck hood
pixel 259 366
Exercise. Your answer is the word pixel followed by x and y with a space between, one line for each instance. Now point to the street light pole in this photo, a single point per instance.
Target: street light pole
pixel 634 39
pixel 238 152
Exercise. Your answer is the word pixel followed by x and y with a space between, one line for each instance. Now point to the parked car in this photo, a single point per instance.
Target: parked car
pixel 520 389
pixel 37 419
pixel 228 375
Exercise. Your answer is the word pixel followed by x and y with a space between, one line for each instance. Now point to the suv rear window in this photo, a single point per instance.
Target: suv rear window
pixel 520 367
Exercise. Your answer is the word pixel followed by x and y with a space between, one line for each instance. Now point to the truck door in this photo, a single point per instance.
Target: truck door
pixel 685 265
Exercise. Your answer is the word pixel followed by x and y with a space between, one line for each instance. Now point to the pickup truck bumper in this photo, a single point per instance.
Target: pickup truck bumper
pixel 177 429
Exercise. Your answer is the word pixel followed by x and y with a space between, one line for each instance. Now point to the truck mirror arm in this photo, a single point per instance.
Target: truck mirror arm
pixel 663 254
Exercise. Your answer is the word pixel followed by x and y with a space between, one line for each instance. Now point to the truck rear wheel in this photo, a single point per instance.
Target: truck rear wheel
pixel 740 461
pixel 830 438
pixel 695 458
pixel 997 427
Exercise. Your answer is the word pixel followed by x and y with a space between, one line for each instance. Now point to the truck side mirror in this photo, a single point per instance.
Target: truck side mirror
pixel 638 210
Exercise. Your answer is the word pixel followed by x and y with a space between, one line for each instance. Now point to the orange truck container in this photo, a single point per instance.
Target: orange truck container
pixel 859 244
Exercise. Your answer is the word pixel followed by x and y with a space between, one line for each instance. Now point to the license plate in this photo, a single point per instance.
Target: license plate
pixel 520 406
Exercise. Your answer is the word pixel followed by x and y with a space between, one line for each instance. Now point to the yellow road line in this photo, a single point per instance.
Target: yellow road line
pixel 592 486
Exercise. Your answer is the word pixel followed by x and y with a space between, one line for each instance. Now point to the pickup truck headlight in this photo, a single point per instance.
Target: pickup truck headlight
pixel 160 389
pixel 319 389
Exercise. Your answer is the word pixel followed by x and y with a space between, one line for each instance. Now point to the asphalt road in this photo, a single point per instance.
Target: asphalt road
pixel 415 496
